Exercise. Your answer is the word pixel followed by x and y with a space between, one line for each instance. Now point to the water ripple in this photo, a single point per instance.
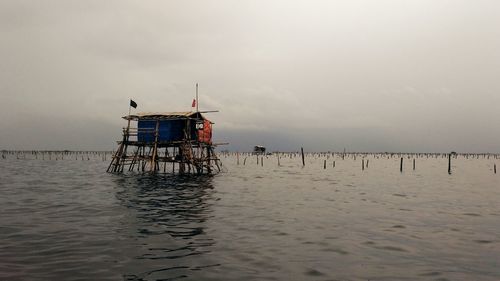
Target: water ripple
pixel 64 220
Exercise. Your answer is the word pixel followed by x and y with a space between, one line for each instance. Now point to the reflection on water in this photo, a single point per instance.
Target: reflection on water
pixel 166 222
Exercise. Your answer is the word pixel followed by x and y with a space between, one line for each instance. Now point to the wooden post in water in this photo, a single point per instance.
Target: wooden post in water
pixel 152 167
pixel 362 164
pixel 413 164
pixel 262 161
pixel 302 152
pixel 367 160
pixel 279 160
pixel 333 164
pixel 324 165
pixel 401 165
pixel 495 168
pixel 237 158
pixel 449 163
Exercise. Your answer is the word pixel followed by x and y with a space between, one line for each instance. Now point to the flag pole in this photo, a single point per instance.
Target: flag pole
pixel 128 117
pixel 197 97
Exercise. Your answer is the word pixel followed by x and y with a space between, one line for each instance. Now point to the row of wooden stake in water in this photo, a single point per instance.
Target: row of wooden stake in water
pixel 363 163
pixel 58 155
pixel 103 155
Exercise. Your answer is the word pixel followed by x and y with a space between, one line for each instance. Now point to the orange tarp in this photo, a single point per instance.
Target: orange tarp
pixel 205 134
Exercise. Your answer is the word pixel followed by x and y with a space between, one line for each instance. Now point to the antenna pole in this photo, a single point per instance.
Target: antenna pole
pixel 128 118
pixel 196 97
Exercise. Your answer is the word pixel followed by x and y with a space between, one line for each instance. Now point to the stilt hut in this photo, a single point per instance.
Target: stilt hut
pixel 259 149
pixel 173 142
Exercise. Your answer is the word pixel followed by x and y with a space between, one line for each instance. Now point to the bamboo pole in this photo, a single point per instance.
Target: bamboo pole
pixel 302 152
pixel 153 156
pixel 449 163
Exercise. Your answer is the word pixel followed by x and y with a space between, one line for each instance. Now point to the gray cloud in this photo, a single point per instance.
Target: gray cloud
pixel 377 76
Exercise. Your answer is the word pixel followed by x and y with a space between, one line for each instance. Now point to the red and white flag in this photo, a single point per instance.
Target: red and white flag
pixel 193 104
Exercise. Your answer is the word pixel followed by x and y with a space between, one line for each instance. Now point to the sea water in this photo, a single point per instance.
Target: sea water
pixel 70 220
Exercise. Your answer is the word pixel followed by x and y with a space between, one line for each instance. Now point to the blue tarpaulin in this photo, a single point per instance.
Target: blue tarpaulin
pixel 169 130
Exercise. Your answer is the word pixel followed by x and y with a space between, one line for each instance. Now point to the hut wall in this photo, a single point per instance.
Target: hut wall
pixel 169 130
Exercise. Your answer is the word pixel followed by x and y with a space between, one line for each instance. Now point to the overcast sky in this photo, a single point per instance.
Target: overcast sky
pixel 385 75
